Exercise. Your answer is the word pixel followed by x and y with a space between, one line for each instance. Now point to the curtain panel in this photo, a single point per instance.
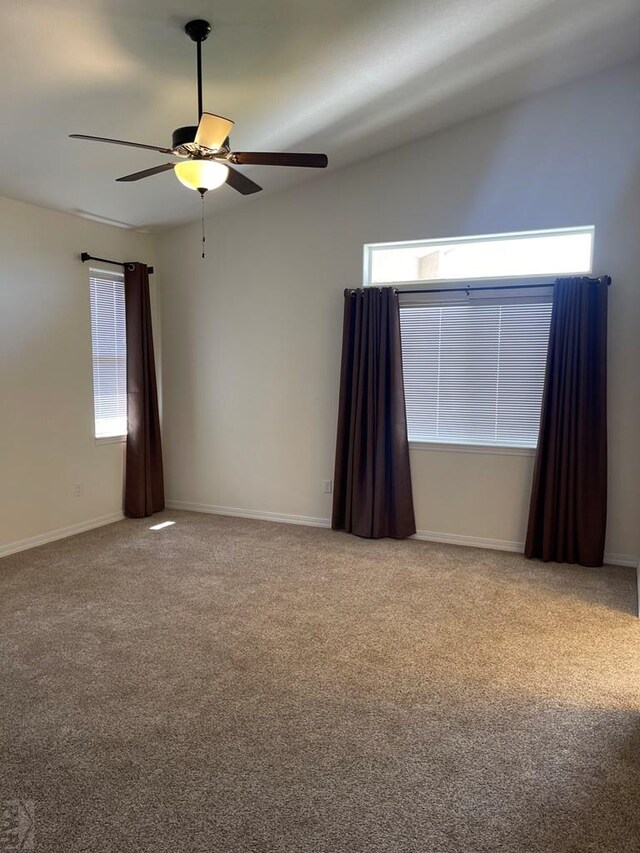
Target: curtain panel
pixel 568 511
pixel 372 482
pixel 144 481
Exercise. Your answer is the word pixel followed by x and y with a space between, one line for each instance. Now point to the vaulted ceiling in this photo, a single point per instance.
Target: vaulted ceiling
pixel 351 78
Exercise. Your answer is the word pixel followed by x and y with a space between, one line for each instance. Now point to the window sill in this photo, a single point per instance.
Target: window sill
pixel 111 439
pixel 486 449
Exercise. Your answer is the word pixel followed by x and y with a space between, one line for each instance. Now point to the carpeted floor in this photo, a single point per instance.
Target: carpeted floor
pixel 233 685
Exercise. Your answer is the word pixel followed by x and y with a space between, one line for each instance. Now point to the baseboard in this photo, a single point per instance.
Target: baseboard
pixel 505 545
pixel 60 533
pixel 426 535
pixel 469 541
pixel 306 520
pixel 627 560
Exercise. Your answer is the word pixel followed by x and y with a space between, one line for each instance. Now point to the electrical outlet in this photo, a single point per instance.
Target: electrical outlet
pixel 327 487
pixel 77 490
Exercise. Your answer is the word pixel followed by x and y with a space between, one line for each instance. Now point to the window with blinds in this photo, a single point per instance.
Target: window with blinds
pixel 109 349
pixel 474 373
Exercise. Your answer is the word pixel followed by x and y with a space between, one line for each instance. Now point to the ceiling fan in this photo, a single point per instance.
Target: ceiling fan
pixel 207 160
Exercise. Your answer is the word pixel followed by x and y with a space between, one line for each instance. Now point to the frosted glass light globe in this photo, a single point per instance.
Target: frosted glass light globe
pixel 201 174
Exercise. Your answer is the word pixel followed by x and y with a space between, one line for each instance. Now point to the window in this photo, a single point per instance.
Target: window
pixel 473 374
pixel 109 354
pixel 474 361
pixel 560 252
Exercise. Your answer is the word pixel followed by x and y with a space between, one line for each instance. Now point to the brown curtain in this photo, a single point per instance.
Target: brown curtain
pixel 372 484
pixel 568 512
pixel 144 485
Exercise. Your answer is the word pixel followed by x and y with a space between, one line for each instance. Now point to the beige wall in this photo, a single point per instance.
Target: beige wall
pixel 46 387
pixel 251 336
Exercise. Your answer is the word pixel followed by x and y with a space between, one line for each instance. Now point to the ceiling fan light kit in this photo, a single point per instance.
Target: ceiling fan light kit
pixel 201 175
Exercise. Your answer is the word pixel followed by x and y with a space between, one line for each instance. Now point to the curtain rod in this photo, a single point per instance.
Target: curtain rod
pixel 85 256
pixel 469 289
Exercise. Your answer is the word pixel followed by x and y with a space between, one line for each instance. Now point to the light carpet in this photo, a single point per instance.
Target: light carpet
pixel 234 685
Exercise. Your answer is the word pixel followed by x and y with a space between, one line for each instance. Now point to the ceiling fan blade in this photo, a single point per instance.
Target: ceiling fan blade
pixel 120 142
pixel 212 131
pixel 137 176
pixel 241 183
pixel 264 158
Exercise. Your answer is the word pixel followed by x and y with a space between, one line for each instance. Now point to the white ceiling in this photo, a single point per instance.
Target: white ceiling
pixel 348 77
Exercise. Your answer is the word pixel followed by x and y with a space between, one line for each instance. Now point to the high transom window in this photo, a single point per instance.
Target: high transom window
pixel 564 251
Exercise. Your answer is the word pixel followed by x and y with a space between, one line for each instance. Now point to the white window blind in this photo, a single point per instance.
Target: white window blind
pixel 474 373
pixel 109 348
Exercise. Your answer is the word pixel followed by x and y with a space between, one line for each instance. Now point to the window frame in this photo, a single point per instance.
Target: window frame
pixel 109 275
pixel 481 449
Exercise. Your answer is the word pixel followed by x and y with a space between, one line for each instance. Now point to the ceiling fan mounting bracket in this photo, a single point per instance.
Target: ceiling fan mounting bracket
pixel 198 30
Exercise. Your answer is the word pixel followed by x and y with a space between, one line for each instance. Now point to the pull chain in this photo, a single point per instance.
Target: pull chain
pixel 202 192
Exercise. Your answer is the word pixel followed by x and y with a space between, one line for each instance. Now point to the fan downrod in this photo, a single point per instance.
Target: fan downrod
pixel 198 30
